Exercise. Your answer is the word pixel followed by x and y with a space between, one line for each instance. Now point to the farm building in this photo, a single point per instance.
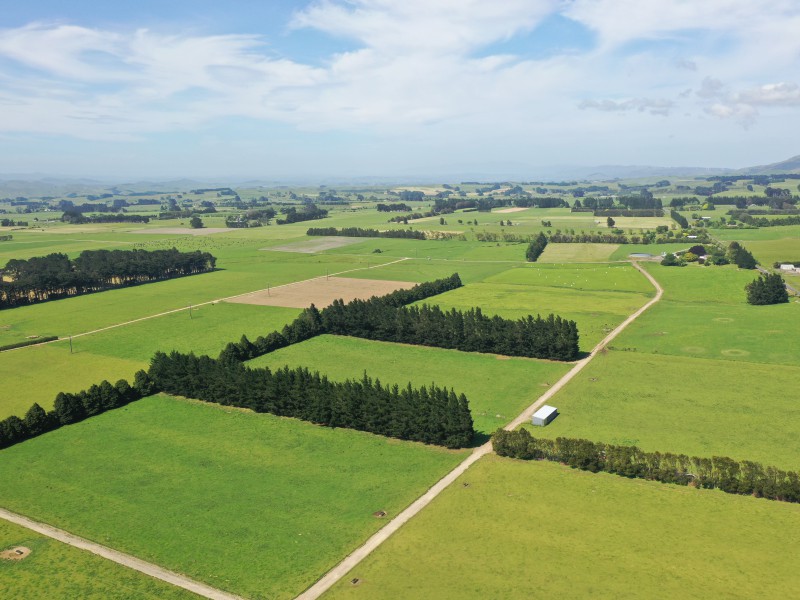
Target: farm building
pixel 788 267
pixel 544 415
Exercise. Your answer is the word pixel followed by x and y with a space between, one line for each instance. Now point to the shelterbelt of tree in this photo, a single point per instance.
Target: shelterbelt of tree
pixel 369 233
pixel 387 319
pixel 55 276
pixel 431 415
pixel 720 472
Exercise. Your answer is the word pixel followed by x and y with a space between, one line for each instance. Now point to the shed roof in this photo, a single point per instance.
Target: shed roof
pixel 545 411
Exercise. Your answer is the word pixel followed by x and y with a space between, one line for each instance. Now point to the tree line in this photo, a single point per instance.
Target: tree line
pixel 76 217
pixel 369 233
pixel 679 219
pixel 55 276
pixel 432 415
pixel 765 222
pixel 72 408
pixel 394 207
pixel 469 331
pixel 310 322
pixel 719 472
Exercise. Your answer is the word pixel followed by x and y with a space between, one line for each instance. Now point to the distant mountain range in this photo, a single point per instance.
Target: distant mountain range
pixel 37 185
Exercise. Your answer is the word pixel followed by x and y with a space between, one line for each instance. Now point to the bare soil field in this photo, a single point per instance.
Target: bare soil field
pixel 183 230
pixel 316 245
pixel 322 292
pixel 511 210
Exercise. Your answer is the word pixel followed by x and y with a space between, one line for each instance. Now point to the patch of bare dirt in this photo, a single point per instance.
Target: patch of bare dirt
pixel 322 292
pixel 17 553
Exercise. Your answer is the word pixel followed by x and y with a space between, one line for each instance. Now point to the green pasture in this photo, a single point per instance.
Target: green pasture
pixel 517 530
pixel 56 571
pixel 427 270
pixel 702 284
pixel 596 297
pixel 696 406
pixel 40 372
pixel 763 334
pixel 624 251
pixel 241 271
pixel 498 388
pixel 567 253
pixel 253 504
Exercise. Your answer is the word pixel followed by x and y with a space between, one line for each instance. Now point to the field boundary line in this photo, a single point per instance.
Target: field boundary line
pixel 353 559
pixel 118 557
pixel 177 310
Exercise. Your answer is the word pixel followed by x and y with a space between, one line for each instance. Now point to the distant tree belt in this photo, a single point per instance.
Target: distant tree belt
pixel 6 238
pixel 55 276
pixel 22 344
pixel 396 207
pixel 432 415
pixel 626 212
pixel 72 408
pixel 679 219
pixel 79 218
pixel 649 237
pixel 764 222
pixel 368 233
pixel 308 212
pixel 310 322
pixel 729 475
pixel 536 247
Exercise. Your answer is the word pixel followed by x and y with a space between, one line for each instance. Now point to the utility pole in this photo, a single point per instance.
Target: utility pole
pixel 70 344
pixel 190 312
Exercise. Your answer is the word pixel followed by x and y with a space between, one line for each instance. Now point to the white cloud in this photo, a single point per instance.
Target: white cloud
pixel 417 64
pixel 654 106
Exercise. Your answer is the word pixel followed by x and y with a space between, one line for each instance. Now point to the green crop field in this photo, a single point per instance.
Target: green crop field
pixel 254 504
pixel 517 530
pixel 565 253
pixel 57 571
pixel 498 388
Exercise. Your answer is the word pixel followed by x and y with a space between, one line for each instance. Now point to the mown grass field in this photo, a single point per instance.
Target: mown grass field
pixel 249 503
pixel 517 530
pixel 498 388
pixel 687 405
pixel 57 571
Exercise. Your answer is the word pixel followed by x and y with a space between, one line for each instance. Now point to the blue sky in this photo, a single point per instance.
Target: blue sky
pixel 377 87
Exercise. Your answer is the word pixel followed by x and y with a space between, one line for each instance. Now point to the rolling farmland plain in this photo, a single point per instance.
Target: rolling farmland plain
pixel 263 506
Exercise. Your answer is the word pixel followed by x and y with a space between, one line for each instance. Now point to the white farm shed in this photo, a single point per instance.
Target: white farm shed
pixel 544 415
pixel 787 267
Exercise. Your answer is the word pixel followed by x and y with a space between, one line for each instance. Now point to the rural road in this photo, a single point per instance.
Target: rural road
pixel 344 567
pixel 183 308
pixel 120 557
pixel 353 559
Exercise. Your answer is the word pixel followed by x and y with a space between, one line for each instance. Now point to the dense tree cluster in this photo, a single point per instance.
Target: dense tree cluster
pixel 740 256
pixel 6 238
pixel 536 247
pixel 679 219
pixel 370 233
pixel 469 331
pixel 308 212
pixel 410 216
pixel 56 276
pixel 432 415
pixel 71 408
pixel 395 207
pixel 726 474
pixel 540 202
pixel 769 288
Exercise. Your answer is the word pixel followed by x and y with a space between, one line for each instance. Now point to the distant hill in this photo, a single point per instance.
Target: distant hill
pixel 790 165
